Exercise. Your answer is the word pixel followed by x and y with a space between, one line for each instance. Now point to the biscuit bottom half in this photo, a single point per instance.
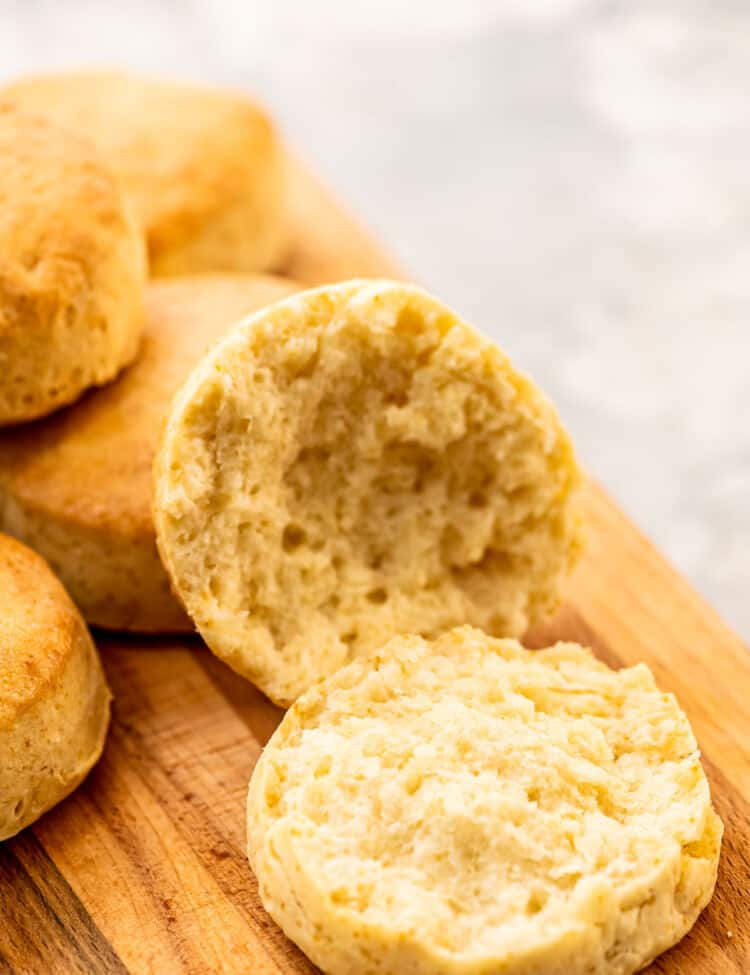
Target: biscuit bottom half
pixel 470 806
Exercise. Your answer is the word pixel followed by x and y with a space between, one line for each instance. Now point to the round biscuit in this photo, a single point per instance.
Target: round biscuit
pixel 354 462
pixel 72 268
pixel 203 167
pixel 471 807
pixel 54 700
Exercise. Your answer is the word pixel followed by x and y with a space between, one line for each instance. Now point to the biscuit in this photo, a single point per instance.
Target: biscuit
pixel 72 268
pixel 474 807
pixel 355 462
pixel 54 700
pixel 77 487
pixel 203 167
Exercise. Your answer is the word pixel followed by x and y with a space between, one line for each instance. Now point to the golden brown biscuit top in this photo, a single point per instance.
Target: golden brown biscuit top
pixel 91 464
pixel 181 151
pixel 60 208
pixel 38 626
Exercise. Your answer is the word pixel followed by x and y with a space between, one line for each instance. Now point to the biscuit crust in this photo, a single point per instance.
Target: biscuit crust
pixel 203 167
pixel 77 487
pixel 475 807
pixel 72 268
pixel 54 700
pixel 355 462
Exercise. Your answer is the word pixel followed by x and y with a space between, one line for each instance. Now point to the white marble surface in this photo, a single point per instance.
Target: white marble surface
pixel 573 176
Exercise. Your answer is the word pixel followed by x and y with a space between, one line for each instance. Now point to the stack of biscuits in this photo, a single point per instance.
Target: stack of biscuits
pixel 360 505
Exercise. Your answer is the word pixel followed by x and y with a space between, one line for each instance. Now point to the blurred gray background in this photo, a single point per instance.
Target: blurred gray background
pixel 572 176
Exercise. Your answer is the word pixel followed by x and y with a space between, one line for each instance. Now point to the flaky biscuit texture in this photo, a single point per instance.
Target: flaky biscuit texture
pixel 355 462
pixel 473 807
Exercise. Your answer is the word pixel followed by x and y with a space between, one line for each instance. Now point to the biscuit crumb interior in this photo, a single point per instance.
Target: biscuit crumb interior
pixel 368 467
pixel 481 800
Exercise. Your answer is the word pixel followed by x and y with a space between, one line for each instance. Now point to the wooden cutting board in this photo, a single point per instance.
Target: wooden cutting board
pixel 143 869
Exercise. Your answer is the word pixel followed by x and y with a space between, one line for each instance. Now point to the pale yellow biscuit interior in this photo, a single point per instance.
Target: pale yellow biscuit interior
pixel 351 463
pixel 476 807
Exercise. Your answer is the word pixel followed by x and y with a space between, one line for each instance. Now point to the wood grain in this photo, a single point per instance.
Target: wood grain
pixel 143 869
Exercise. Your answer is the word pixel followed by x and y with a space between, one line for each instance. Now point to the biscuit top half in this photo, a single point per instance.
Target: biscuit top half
pixel 353 462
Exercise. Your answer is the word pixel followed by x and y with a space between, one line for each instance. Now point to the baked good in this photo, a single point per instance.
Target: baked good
pixel 77 486
pixel 54 700
pixel 72 268
pixel 354 462
pixel 475 807
pixel 203 167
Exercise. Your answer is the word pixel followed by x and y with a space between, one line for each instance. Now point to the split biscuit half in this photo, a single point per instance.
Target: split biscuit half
pixel 470 807
pixel 356 462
